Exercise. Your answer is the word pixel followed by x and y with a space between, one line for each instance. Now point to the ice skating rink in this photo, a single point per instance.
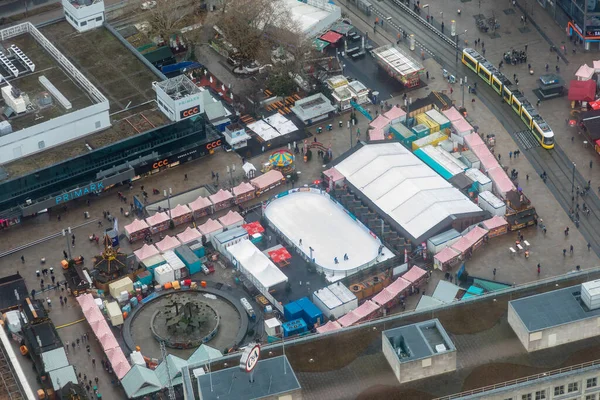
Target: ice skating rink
pixel 326 228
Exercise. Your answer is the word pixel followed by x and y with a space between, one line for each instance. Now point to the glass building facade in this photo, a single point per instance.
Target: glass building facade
pixel 191 135
pixel 579 18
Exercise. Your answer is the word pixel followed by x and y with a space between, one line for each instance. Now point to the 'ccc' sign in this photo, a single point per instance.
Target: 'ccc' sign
pixel 189 112
pixel 213 145
pixel 162 163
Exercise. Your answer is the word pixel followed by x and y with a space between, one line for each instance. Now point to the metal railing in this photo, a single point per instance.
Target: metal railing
pixel 521 380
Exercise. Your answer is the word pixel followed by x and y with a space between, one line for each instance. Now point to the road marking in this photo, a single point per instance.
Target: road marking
pixel 71 323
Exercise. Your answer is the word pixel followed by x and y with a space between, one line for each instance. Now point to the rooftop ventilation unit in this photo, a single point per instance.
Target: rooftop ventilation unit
pixel 9 65
pixel 590 294
pixel 17 52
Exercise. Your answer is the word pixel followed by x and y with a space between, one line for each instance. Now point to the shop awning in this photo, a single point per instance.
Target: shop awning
pixel 331 37
pixel 320 44
pixel 280 255
pixel 582 90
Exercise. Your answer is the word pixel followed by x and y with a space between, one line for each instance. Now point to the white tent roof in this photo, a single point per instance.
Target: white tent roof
pixel 403 187
pixel 584 73
pixel 253 262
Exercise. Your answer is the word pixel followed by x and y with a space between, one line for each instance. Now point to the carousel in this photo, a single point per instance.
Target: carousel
pixel 281 160
pixel 109 265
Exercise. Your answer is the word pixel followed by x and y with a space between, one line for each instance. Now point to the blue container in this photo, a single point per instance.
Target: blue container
pixel 126 308
pixel 145 278
pixel 292 311
pixel 310 312
pixel 294 327
pixel 197 247
pixel 133 302
pixel 191 260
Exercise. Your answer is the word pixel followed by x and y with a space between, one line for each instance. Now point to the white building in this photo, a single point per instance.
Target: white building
pixel 84 15
pixel 178 98
pixel 335 299
pixel 33 127
pixel 236 136
pixel 312 16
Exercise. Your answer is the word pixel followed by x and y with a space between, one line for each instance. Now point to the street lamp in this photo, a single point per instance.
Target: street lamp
pixel 168 196
pixel 428 15
pixel 573 185
pixel 456 38
pixel 66 233
pixel 463 83
pixel 311 254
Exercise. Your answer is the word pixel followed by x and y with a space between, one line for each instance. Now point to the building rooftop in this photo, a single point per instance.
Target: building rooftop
pixel 416 341
pixel 414 196
pixel 121 78
pixel 29 84
pixel 271 378
pixel 397 59
pixel 551 309
pixel 10 285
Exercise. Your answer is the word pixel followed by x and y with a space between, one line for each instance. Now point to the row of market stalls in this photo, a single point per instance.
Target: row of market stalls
pixel 381 303
pixel 104 335
pixel 202 206
pixel 456 248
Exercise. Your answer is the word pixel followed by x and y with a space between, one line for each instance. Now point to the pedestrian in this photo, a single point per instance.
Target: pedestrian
pixel 571 249
pixel 88 388
pixel 94 362
pixel 49 302
pixel 547 66
pixel 96 380
pixel 525 48
pixel 526 177
pixel 23 259
pixel 494 272
pixel 589 246
pixel 300 242
pixel 77 342
pixel 442 26
pixel 217 175
pixel 483 51
pixel 539 268
pixel 591 163
pixel 499 157
pixel 84 377
pixel 90 382
pixel 65 254
pixel 564 252
pixel 65 296
pixel 33 294
pixel 53 279
pixel 185 178
pixel 510 154
pixel 122 211
pixel 557 58
pixel 427 74
pixel 537 103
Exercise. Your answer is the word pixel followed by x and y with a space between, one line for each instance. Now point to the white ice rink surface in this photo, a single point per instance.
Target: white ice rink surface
pixel 326 228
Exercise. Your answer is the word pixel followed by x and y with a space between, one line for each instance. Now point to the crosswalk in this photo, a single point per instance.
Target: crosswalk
pixel 527 139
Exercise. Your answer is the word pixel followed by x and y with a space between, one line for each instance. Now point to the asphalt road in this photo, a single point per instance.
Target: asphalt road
pixel 557 165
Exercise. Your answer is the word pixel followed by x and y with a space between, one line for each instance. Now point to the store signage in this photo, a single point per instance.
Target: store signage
pixel 213 145
pixel 250 358
pixel 189 112
pixel 161 163
pixel 79 192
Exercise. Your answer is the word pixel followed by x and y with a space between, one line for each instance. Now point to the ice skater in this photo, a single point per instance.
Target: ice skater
pixel 300 242
pixel 346 257
pixel 335 260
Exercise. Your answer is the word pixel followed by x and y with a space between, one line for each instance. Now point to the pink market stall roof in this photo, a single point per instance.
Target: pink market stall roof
pixel 210 226
pixel 476 234
pixel 414 274
pixel 463 244
pixel 168 243
pixel 189 235
pixel 220 196
pixel 376 134
pixel 452 114
pixel 136 226
pixel 266 180
pixel 502 181
pixel 358 314
pixel 145 252
pixel 394 113
pixel 446 255
pixel 333 174
pixel 494 222
pixel 379 122
pixel 119 363
pixel 473 139
pixel 200 203
pixel 329 327
pixel 392 291
pixel 232 217
pixel 180 210
pixel 243 188
pixel 157 219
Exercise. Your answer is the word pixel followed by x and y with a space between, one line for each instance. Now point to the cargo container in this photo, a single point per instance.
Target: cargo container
pixel 421 131
pixel 423 119
pixel 179 269
pixel 403 134
pixel 489 202
pixel 145 278
pixel 152 262
pixel 191 260
pixel 310 312
pixel 164 274
pixel 292 311
pixel 439 118
pixel 295 327
pixel 470 159
pixel 432 139
pixel 197 247
pixel 122 285
pixel 482 182
pixel 437 243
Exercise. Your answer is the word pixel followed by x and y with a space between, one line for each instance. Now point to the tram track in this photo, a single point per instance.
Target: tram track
pixel 555 162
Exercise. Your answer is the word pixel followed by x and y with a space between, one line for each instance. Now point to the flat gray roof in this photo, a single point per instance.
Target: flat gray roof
pixel 419 340
pixel 234 384
pixel 558 307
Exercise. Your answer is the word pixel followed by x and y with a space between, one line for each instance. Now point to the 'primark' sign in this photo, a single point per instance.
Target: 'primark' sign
pixel 76 193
